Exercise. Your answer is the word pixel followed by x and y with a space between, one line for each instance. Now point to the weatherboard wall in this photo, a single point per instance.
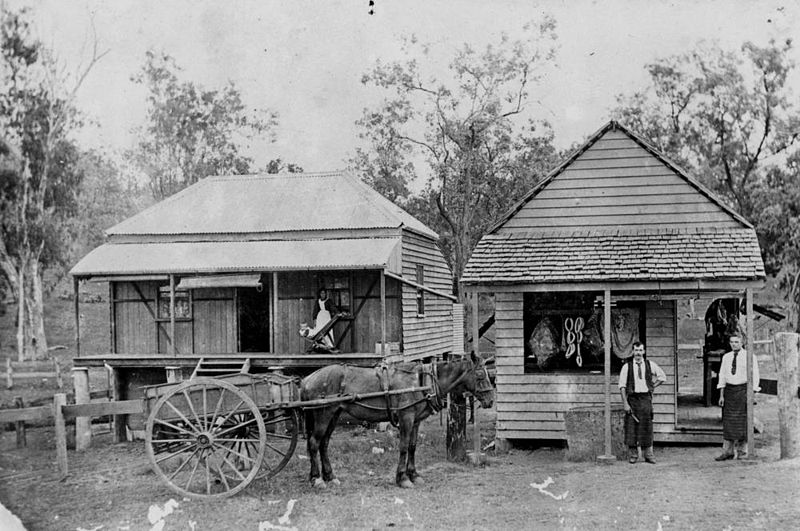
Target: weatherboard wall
pixel 429 334
pixel 532 406
pixel 616 183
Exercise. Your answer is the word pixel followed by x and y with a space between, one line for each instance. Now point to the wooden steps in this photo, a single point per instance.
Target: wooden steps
pixel 220 366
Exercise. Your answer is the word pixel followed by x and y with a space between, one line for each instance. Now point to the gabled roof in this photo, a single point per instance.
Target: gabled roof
pixel 614 125
pixel 258 204
pixel 617 210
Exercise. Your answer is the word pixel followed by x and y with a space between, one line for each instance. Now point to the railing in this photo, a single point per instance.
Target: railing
pixel 32 369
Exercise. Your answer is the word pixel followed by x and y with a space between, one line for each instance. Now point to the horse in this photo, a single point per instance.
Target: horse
pixel 404 409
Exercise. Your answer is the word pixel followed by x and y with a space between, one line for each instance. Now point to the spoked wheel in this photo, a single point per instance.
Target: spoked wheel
pixel 195 435
pixel 282 428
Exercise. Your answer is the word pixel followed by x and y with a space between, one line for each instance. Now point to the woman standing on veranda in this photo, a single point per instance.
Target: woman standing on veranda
pixel 324 311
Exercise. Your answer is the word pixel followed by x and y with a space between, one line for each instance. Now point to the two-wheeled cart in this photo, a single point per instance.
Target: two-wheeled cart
pixel 211 437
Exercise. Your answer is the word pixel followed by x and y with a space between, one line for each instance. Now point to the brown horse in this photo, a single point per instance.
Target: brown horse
pixel 404 409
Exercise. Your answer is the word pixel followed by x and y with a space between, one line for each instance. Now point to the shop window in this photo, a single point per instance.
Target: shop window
pixel 338 287
pixel 563 332
pixel 183 304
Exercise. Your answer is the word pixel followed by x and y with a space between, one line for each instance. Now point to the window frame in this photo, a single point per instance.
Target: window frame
pixel 163 296
pixel 420 279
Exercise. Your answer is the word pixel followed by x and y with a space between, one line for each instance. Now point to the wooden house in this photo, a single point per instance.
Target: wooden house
pixel 229 268
pixel 600 253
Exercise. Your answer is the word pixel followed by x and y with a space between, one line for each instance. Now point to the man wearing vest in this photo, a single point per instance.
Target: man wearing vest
pixel 733 400
pixel 637 379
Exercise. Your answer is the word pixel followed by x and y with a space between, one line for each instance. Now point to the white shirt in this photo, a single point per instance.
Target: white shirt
pixel 725 376
pixel 640 384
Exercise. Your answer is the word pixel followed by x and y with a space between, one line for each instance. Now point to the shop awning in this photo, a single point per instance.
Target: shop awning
pixel 221 281
pixel 238 257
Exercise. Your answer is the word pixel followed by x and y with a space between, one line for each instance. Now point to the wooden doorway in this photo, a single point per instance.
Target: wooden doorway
pixel 254 319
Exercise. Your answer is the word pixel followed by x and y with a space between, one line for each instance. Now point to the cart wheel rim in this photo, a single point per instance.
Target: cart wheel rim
pixel 189 434
pixel 282 432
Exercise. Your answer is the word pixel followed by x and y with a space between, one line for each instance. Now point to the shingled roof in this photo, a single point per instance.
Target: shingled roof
pixel 617 211
pixel 602 256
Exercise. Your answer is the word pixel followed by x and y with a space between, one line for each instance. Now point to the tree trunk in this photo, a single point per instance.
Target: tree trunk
pixel 457 428
pixel 31 338
pixel 786 357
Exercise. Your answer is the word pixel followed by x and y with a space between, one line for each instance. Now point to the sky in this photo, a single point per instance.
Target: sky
pixel 305 59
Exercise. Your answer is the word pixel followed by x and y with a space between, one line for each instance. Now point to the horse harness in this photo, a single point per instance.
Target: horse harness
pixel 428 377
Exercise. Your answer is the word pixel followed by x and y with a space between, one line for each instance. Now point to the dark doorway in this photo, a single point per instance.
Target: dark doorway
pixel 254 319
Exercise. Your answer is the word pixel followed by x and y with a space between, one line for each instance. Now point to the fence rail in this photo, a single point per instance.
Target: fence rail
pixel 32 369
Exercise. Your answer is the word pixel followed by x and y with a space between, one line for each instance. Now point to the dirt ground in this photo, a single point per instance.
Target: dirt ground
pixel 111 487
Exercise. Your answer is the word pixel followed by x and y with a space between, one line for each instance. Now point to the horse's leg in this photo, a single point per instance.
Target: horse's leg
pixel 327 470
pixel 313 419
pixel 406 427
pixel 412 449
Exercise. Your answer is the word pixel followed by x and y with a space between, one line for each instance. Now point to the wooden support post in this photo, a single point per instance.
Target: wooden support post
pixel 173 348
pixel 118 430
pixel 112 317
pixel 83 425
pixel 60 399
pixel 9 374
pixel 476 325
pixel 59 378
pixel 76 285
pixel 476 341
pixel 20 427
pixel 174 374
pixel 608 456
pixel 383 314
pixel 273 316
pixel 751 449
pixel 787 348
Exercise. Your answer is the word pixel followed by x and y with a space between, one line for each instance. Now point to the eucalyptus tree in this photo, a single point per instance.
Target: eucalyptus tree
pixel 472 126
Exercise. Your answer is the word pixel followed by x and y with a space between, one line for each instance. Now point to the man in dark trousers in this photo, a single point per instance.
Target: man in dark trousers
pixel 637 380
pixel 733 399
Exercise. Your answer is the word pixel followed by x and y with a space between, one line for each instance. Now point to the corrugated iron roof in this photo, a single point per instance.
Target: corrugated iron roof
pixel 270 203
pixel 616 255
pixel 218 257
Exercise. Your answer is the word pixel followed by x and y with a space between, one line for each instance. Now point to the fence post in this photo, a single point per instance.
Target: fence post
pixel 9 378
pixel 117 389
pixel 787 346
pixel 60 399
pixel 83 425
pixel 20 427
pixel 59 379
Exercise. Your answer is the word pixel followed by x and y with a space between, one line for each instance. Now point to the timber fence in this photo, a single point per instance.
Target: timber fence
pixel 61 413
pixel 32 369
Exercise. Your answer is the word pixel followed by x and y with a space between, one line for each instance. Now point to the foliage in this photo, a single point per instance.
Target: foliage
pixel 38 169
pixel 721 114
pixel 730 119
pixel 279 166
pixel 192 132
pixel 777 207
pixel 106 196
pixel 465 128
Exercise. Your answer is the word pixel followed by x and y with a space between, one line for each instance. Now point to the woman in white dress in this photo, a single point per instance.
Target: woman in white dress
pixel 323 313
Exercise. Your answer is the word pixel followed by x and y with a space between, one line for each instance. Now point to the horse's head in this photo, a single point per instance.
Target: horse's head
pixel 483 388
